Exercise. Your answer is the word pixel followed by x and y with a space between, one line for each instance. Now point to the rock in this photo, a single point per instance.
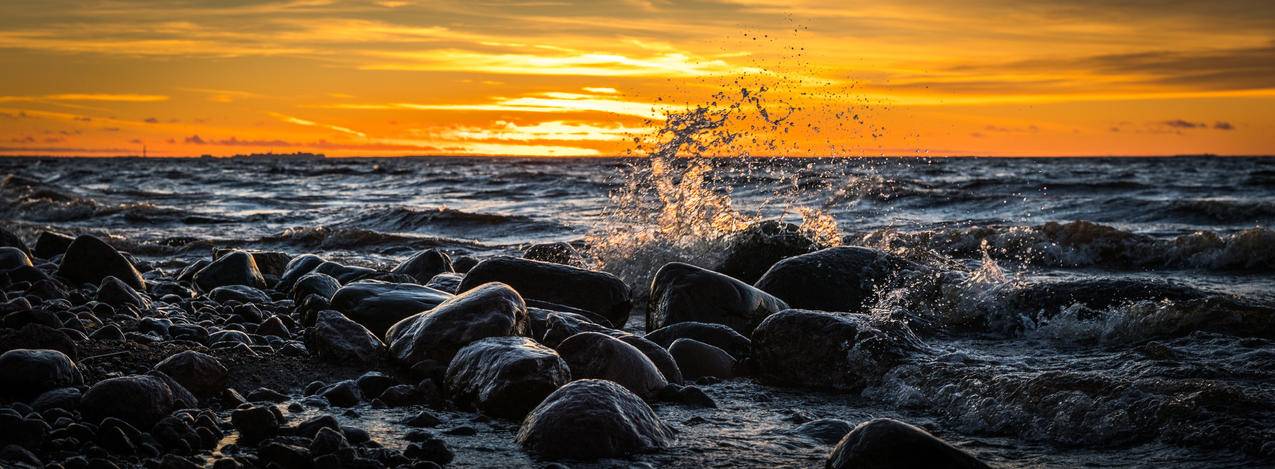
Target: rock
pixel 697 360
pixel 557 253
pixel 344 273
pixel 885 443
pixel 197 372
pixel 116 293
pixel 834 279
pixel 432 450
pixel 275 327
pixel 234 268
pixel 490 310
pixel 107 333
pixel 230 336
pixel 504 376
pixel 315 284
pixel 50 244
pixel 240 293
pixel 422 419
pixel 266 395
pixel 296 268
pixel 716 335
pixel 60 398
pixel 373 383
pixel 139 399
pixel 38 336
pixel 285 456
pixel 27 373
pixel 462 264
pixel 589 419
pixel 343 394
pixel 591 355
pixel 270 263
pixel 424 265
pixel 12 258
pixel 826 431
pixel 682 292
pixel 658 355
pixel 337 338
pixel 89 260
pixel 688 395
pixel 328 441
pixel 598 292
pixel 840 351
pixel 10 240
pixel 446 281
pixel 378 305
pixel 751 252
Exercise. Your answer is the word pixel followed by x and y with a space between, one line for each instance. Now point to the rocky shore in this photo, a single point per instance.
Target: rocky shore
pixel 267 359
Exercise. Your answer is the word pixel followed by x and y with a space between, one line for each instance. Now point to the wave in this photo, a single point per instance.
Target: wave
pixel 330 237
pixel 443 219
pixel 1088 244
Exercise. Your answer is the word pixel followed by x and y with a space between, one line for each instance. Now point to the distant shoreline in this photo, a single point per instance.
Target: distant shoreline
pixel 603 157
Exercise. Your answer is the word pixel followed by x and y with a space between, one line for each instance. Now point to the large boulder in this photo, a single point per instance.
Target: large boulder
pixel 751 252
pixel 840 351
pixel 271 263
pixel 197 372
pixel 315 283
pixel 140 400
pixel 8 239
pixel 424 265
pixel 115 292
pixel 89 260
pixel 446 281
pixel 589 419
pixel 598 292
pixel 378 305
pixel 682 292
pixel 557 326
pixel 12 258
pixel 558 253
pixel 490 310
pixel 659 355
pixel 505 376
pixel 835 279
pixel 27 373
pixel 295 269
pixel 234 268
pixel 337 338
pixel 49 244
pixel 884 443
pixel 592 355
pixel 240 293
pixel 699 360
pixel 716 335
pixel 344 273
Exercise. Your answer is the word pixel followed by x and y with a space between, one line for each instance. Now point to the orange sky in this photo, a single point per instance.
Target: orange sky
pixel 403 77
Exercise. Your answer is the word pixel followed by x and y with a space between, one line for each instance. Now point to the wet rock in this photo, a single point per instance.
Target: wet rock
pixel 658 355
pixel 826 431
pixel 373 383
pixel 197 372
pixel 109 332
pixel 116 293
pixel 716 335
pixel 337 338
pixel 590 419
pixel 295 269
pixel 343 394
pixel 271 263
pixel 432 450
pixel 557 253
pixel 12 258
pixel 50 244
pixel 315 284
pixel 1052 297
pixel 39 336
pixel 378 305
pixel 424 265
pixel 839 351
pixel 139 399
pixel 230 336
pixel 327 441
pixel 834 279
pixel 490 310
pixel 687 395
pixel 559 326
pixel 344 273
pixel 275 327
pixel 20 457
pixel 284 455
pixel 504 376
pixel 89 260
pixel 598 292
pixel 682 292
pixel 886 443
pixel 8 239
pixel 697 360
pixel 60 398
pixel 752 251
pixel 235 268
pixel 591 355
pixel 240 293
pixel 446 281
pixel 27 373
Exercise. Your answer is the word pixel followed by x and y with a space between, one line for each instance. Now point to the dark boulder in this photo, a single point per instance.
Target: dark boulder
pixel 344 273
pixel 271 264
pixel 89 260
pixel 116 293
pixel 698 360
pixel 685 293
pixel 27 373
pixel 716 335
pixel 424 265
pixel 343 393
pixel 462 264
pixel 557 253
pixel 1049 298
pixel 378 305
pixel 751 252
pixel 826 431
pixel 835 279
pixel 12 258
pixel 504 376
pixel 234 268
pixel 315 284
pixel 240 293
pixel 295 269
pixel 557 326
pixel 446 281
pixel 591 355
pixel 490 310
pixel 8 239
pixel 841 351
pixel 197 372
pixel 50 244
pixel 598 292
pixel 39 336
pixel 590 419
pixel 885 443
pixel 659 356
pixel 140 400
pixel 337 338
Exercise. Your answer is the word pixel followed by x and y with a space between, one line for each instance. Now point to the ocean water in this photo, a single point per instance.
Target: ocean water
pixel 1165 379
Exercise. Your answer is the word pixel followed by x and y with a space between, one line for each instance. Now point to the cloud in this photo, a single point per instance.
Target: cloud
pixel 544 102
pixel 151 120
pixel 106 97
pixel 1223 125
pixel 544 131
pixel 309 123
pixel 556 61
pixel 195 139
pixel 1183 124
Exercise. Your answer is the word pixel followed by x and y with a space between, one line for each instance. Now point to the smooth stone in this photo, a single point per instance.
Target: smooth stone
pixel 273 326
pixel 344 273
pixel 343 394
pixel 840 351
pixel 750 253
pixel 504 377
pixel 235 268
pixel 378 305
pixel 424 265
pixel 885 443
pixel 490 310
pixel 826 431
pixel 89 260
pixel 115 292
pixel 197 372
pixel 314 283
pixel 599 292
pixel 140 400
pixel 716 335
pixel 834 279
pixel 337 338
pixel 28 373
pixel 446 281
pixel 8 239
pixel 659 356
pixel 12 258
pixel 50 244
pixel 559 326
pixel 589 419
pixel 697 360
pixel 240 293
pixel 591 355
pixel 271 264
pixel 686 293
pixel 557 253
pixel 295 269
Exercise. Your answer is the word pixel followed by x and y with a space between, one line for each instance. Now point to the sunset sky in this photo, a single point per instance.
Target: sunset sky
pixel 403 77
